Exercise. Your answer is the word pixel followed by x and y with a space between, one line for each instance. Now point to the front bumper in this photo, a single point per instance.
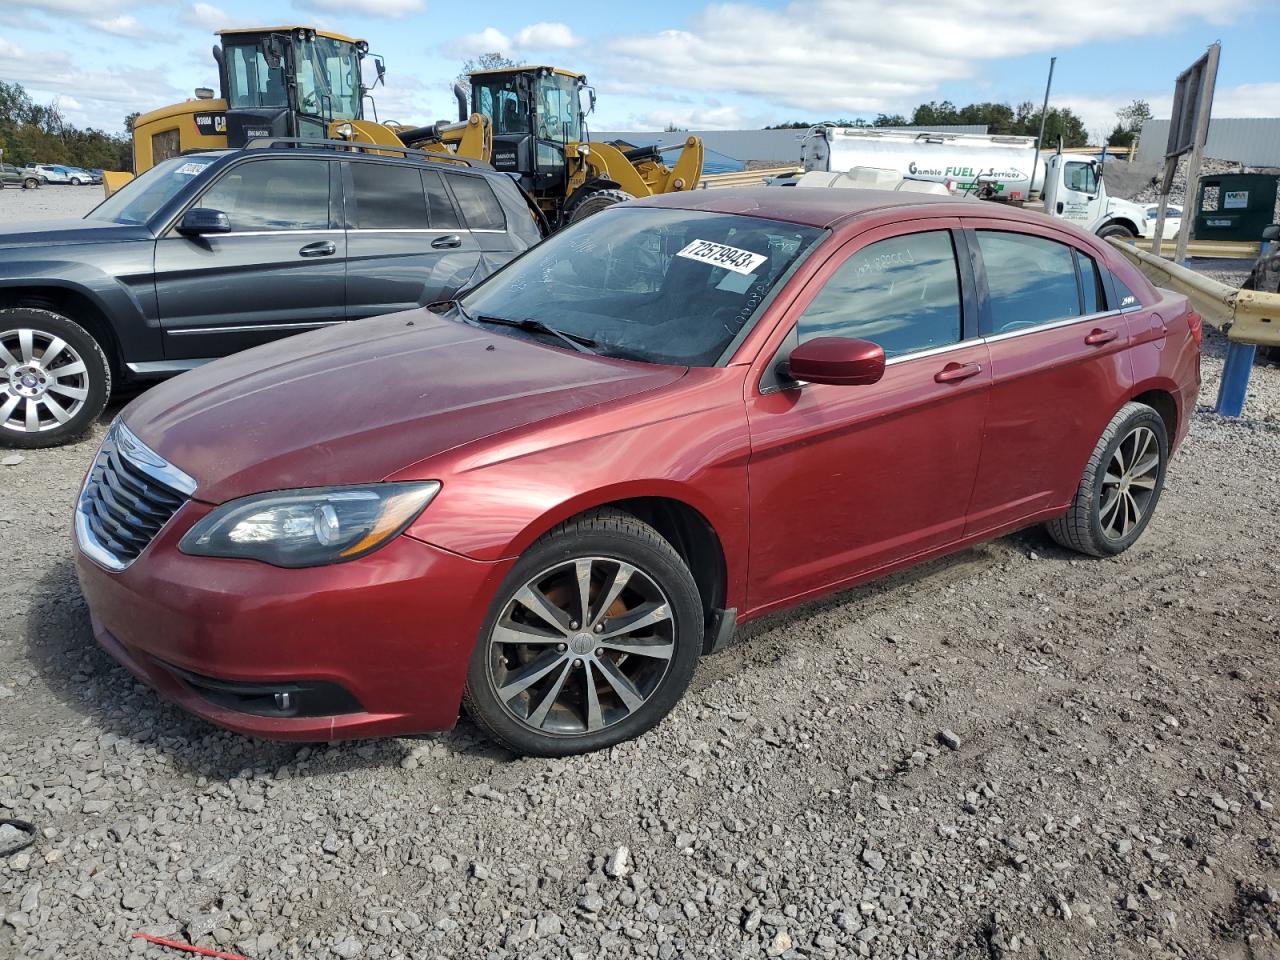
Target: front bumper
pixel 387 637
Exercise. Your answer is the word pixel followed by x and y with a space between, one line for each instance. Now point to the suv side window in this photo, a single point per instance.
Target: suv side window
pixel 273 194
pixel 902 293
pixel 1030 281
pixel 480 208
pixel 389 197
pixel 443 216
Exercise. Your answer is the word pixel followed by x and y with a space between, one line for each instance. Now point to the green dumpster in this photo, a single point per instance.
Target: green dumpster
pixel 1235 206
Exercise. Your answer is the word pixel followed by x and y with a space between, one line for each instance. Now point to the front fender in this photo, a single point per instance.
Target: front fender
pixel 121 288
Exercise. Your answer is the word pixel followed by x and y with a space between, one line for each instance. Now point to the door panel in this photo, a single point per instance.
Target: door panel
pixel 847 479
pixel 279 272
pixel 405 243
pixel 1055 385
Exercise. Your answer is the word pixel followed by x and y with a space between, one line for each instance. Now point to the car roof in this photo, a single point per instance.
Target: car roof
pixel 821 207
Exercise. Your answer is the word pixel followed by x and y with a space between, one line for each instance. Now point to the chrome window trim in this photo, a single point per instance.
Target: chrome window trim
pixel 1053 325
pixel 311 325
pixel 444 230
pixel 484 230
pixel 931 351
pixel 256 233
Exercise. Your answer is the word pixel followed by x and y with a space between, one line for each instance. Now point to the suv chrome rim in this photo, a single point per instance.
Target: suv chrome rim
pixel 581 646
pixel 45 384
pixel 1129 483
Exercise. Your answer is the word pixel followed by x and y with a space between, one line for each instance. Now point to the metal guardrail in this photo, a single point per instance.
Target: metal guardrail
pixel 1226 249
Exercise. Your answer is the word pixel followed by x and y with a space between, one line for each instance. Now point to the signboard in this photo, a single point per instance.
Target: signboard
pixel 1187 104
pixel 1235 200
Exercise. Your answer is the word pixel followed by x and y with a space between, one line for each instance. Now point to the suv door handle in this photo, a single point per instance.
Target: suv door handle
pixel 1097 337
pixel 954 372
pixel 321 248
pixel 447 242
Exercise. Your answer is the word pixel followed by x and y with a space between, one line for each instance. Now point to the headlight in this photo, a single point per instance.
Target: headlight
pixel 311 527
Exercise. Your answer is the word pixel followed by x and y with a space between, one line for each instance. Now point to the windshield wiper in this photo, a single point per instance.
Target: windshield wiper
pixel 577 341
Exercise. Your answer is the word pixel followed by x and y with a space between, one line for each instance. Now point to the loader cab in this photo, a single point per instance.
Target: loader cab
pixel 288 82
pixel 536 113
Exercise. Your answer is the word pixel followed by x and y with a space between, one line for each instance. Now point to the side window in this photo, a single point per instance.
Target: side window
pixel 1080 176
pixel 389 197
pixel 480 208
pixel 1030 281
pixel 1095 300
pixel 902 293
pixel 274 194
pixel 443 216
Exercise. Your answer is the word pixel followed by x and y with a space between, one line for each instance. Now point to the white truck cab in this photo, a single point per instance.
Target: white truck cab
pixel 1074 190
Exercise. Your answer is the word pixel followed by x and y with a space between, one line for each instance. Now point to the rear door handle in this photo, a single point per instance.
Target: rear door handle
pixel 321 248
pixel 1098 336
pixel 445 243
pixel 954 372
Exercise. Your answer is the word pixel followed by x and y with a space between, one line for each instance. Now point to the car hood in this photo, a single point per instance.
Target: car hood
pixel 358 402
pixel 69 231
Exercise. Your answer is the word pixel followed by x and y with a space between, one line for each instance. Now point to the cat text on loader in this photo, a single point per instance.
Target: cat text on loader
pixel 531 122
pixel 285 81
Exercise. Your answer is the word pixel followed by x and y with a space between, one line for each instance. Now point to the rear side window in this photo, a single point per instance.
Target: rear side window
pixel 1124 296
pixel 389 197
pixel 902 293
pixel 1095 300
pixel 273 194
pixel 443 216
pixel 1030 281
pixel 480 208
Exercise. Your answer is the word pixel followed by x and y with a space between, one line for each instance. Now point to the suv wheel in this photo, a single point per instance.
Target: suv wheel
pixel 1120 487
pixel 54 378
pixel 30 183
pixel 76 181
pixel 591 640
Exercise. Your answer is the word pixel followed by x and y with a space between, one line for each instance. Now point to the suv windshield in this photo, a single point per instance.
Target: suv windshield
pixel 665 286
pixel 138 200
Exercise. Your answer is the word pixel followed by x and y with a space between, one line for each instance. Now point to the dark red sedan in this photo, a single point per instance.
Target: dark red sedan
pixel 548 499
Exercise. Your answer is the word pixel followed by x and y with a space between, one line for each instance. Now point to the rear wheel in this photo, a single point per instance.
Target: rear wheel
pixel 54 378
pixel 592 201
pixel 1118 230
pixel 591 640
pixel 1120 487
pixel 30 183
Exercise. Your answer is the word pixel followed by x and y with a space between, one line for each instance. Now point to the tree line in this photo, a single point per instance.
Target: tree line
pixel 33 132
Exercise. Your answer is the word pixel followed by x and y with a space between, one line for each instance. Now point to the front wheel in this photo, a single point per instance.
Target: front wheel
pixel 76 181
pixel 1120 487
pixel 591 640
pixel 1118 230
pixel 592 202
pixel 54 378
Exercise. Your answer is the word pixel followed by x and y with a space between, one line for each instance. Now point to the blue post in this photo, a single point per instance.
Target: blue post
pixel 1235 378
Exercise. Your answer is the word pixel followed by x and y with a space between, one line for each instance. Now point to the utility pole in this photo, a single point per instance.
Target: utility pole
pixel 1044 111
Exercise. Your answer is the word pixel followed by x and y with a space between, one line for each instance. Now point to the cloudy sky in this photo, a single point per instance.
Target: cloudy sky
pixel 719 65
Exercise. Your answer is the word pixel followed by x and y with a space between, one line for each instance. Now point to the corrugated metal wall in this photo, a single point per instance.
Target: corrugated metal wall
pixel 1254 141
pixel 778 146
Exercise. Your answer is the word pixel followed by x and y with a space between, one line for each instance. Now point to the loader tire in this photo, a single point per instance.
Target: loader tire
pixel 593 202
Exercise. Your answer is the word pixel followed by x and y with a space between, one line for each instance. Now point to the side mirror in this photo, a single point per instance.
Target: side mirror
pixel 587 100
pixel 1272 232
pixel 841 361
pixel 199 221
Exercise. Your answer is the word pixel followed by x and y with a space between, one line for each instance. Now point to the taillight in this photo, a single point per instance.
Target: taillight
pixel 1196 325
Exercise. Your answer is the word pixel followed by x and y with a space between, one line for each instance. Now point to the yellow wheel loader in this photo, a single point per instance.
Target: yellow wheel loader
pixel 287 81
pixel 531 122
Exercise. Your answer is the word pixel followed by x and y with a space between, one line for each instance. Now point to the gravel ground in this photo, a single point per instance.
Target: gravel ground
pixel 1011 751
pixel 51 200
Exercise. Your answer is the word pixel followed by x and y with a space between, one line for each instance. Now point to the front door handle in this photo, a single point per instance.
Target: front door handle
pixel 447 242
pixel 321 248
pixel 954 372
pixel 1098 337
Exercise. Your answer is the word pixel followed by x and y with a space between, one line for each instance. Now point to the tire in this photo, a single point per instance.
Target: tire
pixel 564 696
pixel 76 181
pixel 30 183
pixel 579 208
pixel 1092 525
pixel 47 403
pixel 1116 230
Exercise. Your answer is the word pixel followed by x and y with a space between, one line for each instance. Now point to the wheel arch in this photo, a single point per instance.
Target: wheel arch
pixel 75 305
pixel 1164 401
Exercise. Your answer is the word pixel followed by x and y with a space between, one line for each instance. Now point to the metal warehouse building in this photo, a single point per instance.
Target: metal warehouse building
pixel 1253 141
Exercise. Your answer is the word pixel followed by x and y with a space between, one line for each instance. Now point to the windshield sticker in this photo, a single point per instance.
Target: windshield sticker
pixel 720 255
pixel 190 169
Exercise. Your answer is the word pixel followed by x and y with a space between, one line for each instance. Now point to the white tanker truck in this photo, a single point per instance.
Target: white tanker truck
pixel 993 166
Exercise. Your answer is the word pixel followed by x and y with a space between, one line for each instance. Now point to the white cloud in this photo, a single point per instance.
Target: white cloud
pixel 207 16
pixel 82 7
pixel 547 36
pixel 1099 111
pixel 387 9
pixel 863 56
pixel 123 25
pixel 488 40
pixel 690 118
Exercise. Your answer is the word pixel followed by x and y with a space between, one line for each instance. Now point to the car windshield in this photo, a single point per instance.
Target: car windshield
pixel 660 285
pixel 138 200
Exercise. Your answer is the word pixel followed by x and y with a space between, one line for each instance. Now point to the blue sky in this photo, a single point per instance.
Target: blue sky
pixel 718 65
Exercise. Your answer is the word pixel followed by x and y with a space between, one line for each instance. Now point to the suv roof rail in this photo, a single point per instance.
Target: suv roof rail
pixel 353 146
